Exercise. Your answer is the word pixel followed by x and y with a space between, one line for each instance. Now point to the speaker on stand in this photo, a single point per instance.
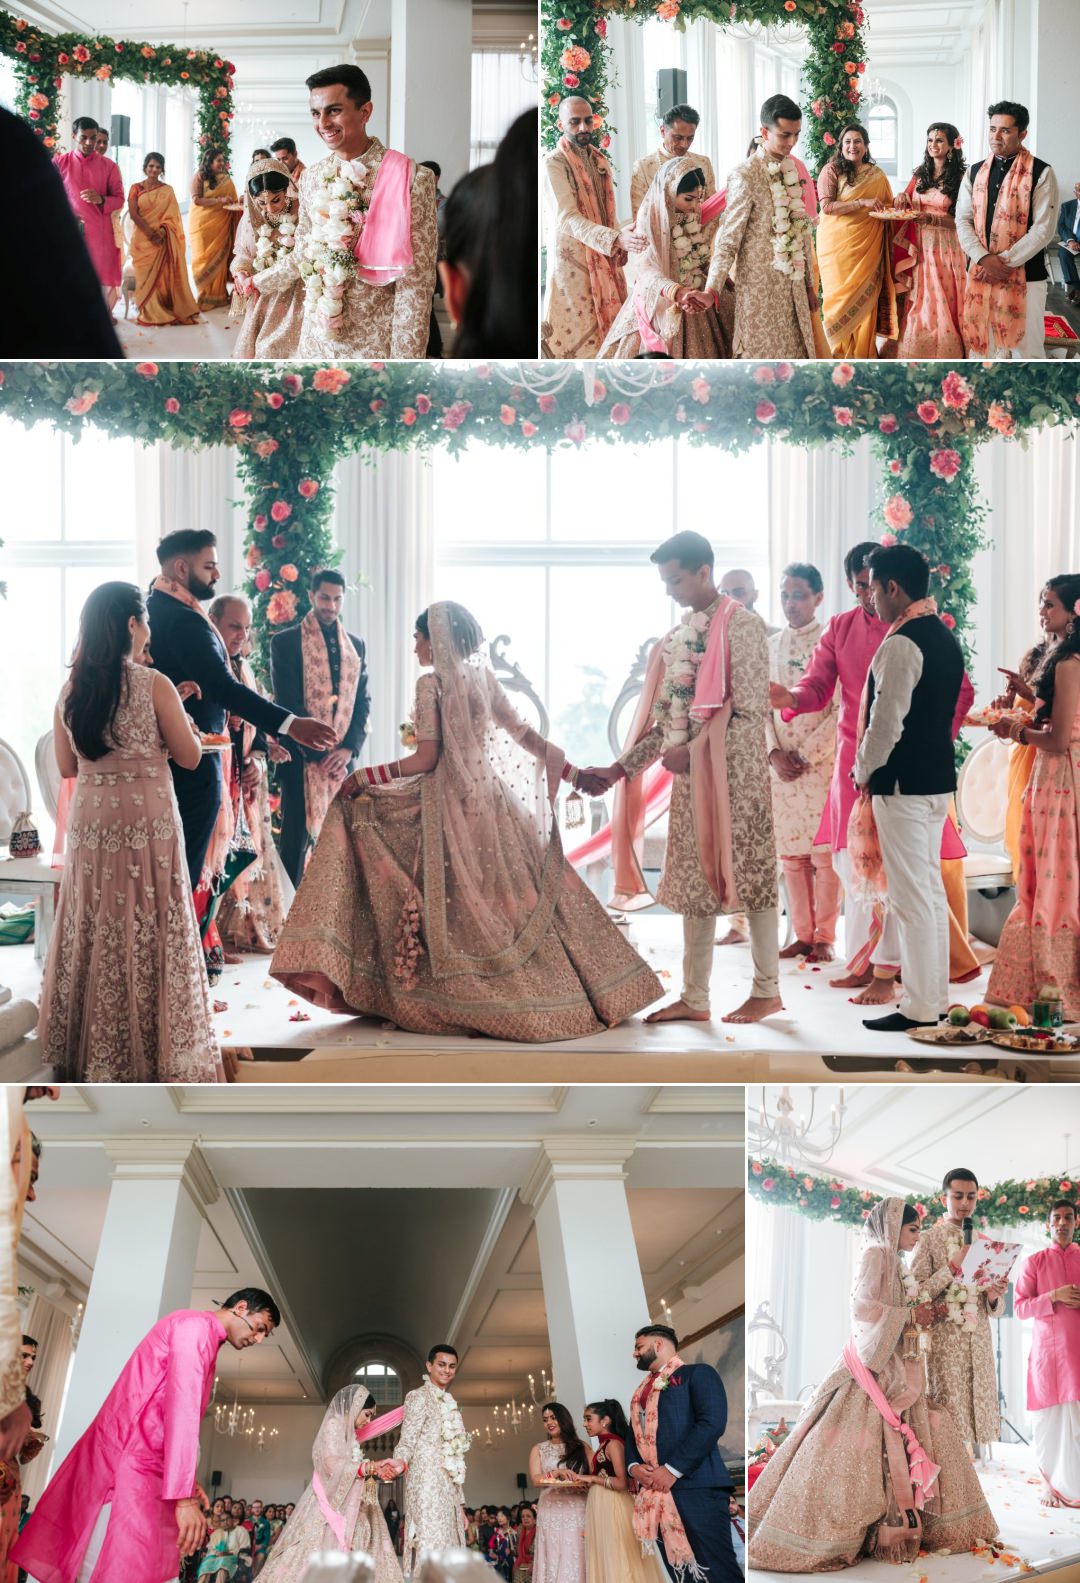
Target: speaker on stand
pixel 670 90
pixel 120 131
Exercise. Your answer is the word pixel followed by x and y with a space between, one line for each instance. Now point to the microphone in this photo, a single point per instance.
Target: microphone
pixel 967 1231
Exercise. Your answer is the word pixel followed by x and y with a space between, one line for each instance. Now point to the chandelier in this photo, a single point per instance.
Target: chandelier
pixel 787 1138
pixel 232 1420
pixel 264 1437
pixel 528 58
pixel 514 1415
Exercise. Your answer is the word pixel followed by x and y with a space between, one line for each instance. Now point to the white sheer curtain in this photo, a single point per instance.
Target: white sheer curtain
pixel 1035 526
pixel 51 1329
pixel 626 104
pixel 819 506
pixel 188 489
pixel 383 523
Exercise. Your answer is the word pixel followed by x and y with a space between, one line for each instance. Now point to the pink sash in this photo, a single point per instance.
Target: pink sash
pixel 649 338
pixel 923 1472
pixel 383 248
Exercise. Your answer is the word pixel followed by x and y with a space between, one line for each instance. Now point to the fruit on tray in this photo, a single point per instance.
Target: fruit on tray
pixel 1000 1018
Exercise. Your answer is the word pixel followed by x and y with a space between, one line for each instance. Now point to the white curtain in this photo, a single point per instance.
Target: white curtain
pixel 1035 526
pixel 188 489
pixel 637 135
pixel 51 1329
pixel 819 506
pixel 383 522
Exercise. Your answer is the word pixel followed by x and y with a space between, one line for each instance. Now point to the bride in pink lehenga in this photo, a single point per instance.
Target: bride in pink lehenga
pixel 859 1476
pixel 340 1508
pixel 438 895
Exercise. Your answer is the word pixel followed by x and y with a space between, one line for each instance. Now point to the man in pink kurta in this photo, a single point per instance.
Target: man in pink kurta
pixel 140 1456
pixel 1048 1291
pixel 95 191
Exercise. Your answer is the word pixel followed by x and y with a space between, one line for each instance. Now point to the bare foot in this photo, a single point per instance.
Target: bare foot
pixel 755 1008
pixel 796 948
pixel 822 952
pixel 851 981
pixel 1048 1498
pixel 231 958
pixel 679 1011
pixel 733 937
pixel 879 992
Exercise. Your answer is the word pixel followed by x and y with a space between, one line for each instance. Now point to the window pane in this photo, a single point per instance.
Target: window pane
pixel 511 605
pixel 99 475
pixel 32 636
pixel 79 584
pixel 504 86
pixel 730 494
pixel 30 483
pixel 478 492
pixel 613 492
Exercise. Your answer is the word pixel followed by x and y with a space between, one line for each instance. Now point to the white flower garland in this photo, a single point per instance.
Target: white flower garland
pixel 962 1302
pixel 456 1438
pixel 684 649
pixel 691 254
pixel 329 264
pixel 270 249
pixel 916 1296
pixel 790 220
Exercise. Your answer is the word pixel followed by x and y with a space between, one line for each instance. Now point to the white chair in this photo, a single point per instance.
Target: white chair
pixel 48 774
pixel 982 796
pixel 24 876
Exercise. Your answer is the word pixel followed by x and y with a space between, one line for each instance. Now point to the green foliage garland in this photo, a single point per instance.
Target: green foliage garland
pixel 45 59
pixel 293 423
pixel 1003 1204
pixel 576 56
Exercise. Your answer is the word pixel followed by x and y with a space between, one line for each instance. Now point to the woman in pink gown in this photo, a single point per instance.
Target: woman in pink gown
pixel 560 1514
pixel 125 997
pixel 928 260
pixel 1040 943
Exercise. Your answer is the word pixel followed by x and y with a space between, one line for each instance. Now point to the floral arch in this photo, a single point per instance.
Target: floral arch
pixel 292 423
pixel 577 57
pixel 43 60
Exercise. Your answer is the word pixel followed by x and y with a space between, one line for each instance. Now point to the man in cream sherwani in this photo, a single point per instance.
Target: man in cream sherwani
pixel 431 1454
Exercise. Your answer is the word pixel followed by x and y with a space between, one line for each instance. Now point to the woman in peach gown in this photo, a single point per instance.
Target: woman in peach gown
pixel 1040 943
pixel 858 297
pixel 212 223
pixel 928 260
pixel 613 1553
pixel 162 292
pixel 560 1513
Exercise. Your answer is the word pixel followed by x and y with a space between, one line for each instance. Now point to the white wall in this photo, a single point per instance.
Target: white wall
pixel 933 93
pixel 272 102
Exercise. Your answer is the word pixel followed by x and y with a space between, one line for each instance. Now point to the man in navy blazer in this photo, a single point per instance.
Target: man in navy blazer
pixel 1069 237
pixel 692 1415
pixel 188 648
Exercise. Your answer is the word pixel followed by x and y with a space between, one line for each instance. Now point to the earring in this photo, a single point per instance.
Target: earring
pixel 1071 628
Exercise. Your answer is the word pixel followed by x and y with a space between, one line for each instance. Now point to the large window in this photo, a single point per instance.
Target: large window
pixel 503 87
pixel 68 514
pixel 161 121
pixel 883 126
pixel 552 551
pixel 382 1381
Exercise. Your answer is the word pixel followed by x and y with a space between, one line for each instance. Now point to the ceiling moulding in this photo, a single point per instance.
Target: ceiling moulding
pixel 264 1264
pixel 74 1101
pixel 163 1159
pixel 577 1159
pixel 281 1099
pixel 718 1099
pixel 503 1205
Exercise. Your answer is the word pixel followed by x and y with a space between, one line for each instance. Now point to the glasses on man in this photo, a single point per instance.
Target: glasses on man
pixel 259 1328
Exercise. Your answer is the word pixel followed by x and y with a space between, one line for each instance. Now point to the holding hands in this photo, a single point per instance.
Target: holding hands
pixel 788 764
pixel 1069 1295
pixel 677 759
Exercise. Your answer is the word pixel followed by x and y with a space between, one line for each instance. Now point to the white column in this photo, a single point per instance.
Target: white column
pixel 1053 98
pixel 145 1264
pixel 431 83
pixel 593 1290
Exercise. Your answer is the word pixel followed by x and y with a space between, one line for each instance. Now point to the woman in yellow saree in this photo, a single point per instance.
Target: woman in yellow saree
pixel 853 249
pixel 158 252
pixel 215 214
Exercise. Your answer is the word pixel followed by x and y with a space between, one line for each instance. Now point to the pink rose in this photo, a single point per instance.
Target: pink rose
pixel 308 488
pixel 948 621
pixel 620 413
pixel 171 404
pixel 378 367
pixel 888 424
pixel 294 383
pixel 785 371
pixel 700 390
pixel 275 399
pixel 843 374
pixel 278 541
pixel 147 370
pixel 330 381
pixel 945 463
pixel 956 392
pixel 423 404
pixel 843 416
pixel 599 390
pixel 764 412
pixel 281 511
pixel 928 411
pixel 764 375
pixel 507 415
pixel 260 522
pixel 575 432
pixel 408 417
pixel 1001 420
pixel 528 430
pixel 897 512
pixel 895 466
pixel 238 418
pixel 79 405
pixel 834 1202
pixel 262 580
pixel 546 403
pixel 266 447
pixel 768 1184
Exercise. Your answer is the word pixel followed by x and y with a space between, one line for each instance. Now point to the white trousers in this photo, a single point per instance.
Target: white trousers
pixel 93 1548
pixel 1056 1433
pixel 1033 343
pixel 909 829
pixel 859 920
pixel 699 941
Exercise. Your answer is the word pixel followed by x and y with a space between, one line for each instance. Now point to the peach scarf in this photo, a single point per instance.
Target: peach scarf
pixel 606 282
pixel 655 1512
pixel 1001 304
pixel 332 709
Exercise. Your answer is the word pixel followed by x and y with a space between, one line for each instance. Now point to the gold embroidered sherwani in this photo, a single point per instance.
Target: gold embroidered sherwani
pixel 643 172
pixel 379 321
pixel 683 886
pixel 961 1367
pixel 570 327
pixel 434 1516
pixel 772 310
pixel 798 804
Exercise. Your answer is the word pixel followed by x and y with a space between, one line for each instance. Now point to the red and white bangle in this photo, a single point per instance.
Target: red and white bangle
pixel 570 773
pixel 377 775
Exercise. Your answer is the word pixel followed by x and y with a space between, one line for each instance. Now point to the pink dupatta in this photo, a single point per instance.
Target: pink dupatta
pixel 383 247
pixel 335 1521
pixel 922 1470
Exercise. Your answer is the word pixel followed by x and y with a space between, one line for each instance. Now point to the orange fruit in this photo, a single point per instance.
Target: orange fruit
pixel 1022 1015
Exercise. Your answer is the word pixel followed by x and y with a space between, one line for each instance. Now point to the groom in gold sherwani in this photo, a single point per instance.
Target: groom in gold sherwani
pixel 720 825
pixel 431 1454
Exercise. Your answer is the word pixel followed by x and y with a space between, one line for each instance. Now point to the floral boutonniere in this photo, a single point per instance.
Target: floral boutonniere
pixel 669 1379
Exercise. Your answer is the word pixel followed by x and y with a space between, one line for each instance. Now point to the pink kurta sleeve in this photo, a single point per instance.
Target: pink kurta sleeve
pixel 817 686
pixel 193 1348
pixel 1027 1304
pixel 963 704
